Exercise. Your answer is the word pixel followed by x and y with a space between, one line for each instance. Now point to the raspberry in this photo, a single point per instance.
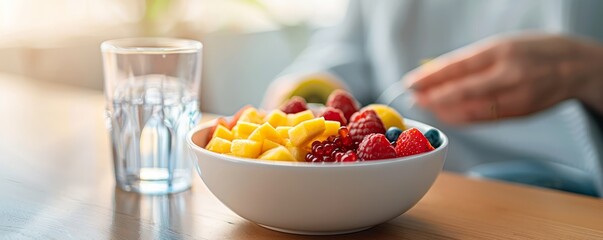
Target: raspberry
pixel 375 146
pixel 349 156
pixel 334 114
pixel 294 105
pixel 364 123
pixel 343 101
pixel 412 142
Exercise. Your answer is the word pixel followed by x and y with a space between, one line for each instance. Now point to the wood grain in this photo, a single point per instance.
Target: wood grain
pixel 56 182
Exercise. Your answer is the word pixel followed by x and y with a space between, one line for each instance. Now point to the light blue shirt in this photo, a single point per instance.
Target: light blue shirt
pixel 381 40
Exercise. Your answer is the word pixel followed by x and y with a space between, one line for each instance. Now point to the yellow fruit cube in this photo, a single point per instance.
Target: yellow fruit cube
pixel 279 153
pixel 276 118
pixel 299 153
pixel 223 132
pixel 246 148
pixel 288 143
pixel 252 115
pixel 283 131
pixel 243 129
pixel 267 145
pixel 219 145
pixel 306 131
pixel 266 131
pixel 294 119
pixel 331 128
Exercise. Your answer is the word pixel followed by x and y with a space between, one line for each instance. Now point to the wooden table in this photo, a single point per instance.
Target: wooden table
pixel 56 182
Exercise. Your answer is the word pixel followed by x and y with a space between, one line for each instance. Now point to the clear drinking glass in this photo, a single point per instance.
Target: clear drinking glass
pixel 151 89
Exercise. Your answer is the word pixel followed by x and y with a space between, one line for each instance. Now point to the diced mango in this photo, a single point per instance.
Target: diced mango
pixel 306 131
pixel 279 153
pixel 331 128
pixel 294 119
pixel 299 153
pixel 267 145
pixel 246 148
pixel 283 131
pixel 266 131
pixel 252 115
pixel 223 132
pixel 276 118
pixel 219 145
pixel 288 143
pixel 243 129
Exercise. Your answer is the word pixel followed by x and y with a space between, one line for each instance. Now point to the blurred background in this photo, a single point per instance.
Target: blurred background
pixel 246 42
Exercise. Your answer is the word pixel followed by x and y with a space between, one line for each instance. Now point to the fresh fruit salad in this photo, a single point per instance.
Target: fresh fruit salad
pixel 341 131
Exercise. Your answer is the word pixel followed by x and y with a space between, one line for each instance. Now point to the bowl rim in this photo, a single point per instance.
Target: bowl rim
pixel 252 161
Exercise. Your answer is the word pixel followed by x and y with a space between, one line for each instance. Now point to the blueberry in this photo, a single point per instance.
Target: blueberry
pixel 434 138
pixel 392 134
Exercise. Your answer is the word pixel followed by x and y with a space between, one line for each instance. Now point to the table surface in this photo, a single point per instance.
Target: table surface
pixel 56 182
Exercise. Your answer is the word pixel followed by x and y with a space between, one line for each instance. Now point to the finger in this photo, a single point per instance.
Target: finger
pixel 483 84
pixel 514 102
pixel 469 111
pixel 499 105
pixel 443 113
pixel 445 94
pixel 450 67
pixel 478 85
pixel 421 98
pixel 482 109
pixel 450 116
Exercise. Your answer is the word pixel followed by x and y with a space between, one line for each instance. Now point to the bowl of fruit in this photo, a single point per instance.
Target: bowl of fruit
pixel 333 169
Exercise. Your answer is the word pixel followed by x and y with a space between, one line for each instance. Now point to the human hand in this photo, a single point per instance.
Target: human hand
pixel 502 77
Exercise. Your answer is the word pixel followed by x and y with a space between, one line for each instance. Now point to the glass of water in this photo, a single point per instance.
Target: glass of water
pixel 151 89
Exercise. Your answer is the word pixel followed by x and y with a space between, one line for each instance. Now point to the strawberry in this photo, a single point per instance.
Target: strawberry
pixel 294 105
pixel 375 146
pixel 364 123
pixel 334 114
pixel 343 101
pixel 412 142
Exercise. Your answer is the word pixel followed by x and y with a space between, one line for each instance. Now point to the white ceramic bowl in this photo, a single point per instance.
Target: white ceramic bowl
pixel 310 198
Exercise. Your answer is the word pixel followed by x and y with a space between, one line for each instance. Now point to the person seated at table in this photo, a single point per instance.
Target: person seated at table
pixel 517 86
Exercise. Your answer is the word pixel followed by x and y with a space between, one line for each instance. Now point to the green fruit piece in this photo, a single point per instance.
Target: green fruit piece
pixel 315 89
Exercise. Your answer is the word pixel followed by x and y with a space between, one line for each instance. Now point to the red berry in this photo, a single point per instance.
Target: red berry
pixel 343 101
pixel 412 142
pixel 294 105
pixel 375 146
pixel 338 143
pixel 343 132
pixel 309 157
pixel 364 123
pixel 334 114
pixel 349 156
pixel 336 148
